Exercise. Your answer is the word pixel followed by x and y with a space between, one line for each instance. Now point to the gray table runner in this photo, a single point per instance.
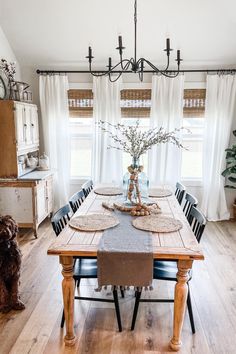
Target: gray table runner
pixel 125 255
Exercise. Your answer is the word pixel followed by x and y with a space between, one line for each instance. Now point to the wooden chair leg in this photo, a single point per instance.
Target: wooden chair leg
pixel 117 308
pixel 190 311
pixel 62 319
pixel 136 306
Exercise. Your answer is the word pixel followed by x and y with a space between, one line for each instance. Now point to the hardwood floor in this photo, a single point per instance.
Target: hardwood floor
pixel 37 328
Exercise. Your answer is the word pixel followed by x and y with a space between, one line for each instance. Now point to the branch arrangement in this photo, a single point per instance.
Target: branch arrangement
pixel 9 69
pixel 135 142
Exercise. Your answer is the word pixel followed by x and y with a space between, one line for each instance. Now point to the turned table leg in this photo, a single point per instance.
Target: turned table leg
pixel 181 292
pixel 68 288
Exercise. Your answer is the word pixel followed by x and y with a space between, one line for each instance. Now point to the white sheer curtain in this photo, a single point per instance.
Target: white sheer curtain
pixel 55 123
pixel 106 163
pixel 164 161
pixel 220 109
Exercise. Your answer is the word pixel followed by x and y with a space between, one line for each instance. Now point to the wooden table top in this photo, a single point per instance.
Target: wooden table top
pixel 181 244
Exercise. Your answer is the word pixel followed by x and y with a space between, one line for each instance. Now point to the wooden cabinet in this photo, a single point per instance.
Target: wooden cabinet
pixel 29 202
pixel 27 197
pixel 19 134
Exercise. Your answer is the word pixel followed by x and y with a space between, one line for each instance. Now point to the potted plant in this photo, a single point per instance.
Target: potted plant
pixel 230 170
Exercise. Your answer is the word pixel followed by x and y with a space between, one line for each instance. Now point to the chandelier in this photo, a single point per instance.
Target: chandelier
pixel 133 64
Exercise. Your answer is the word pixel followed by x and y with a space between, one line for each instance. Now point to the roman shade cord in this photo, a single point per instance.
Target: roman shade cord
pixel 207 71
pixel 116 287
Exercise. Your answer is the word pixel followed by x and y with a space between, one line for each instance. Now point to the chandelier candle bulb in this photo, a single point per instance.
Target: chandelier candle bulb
pixel 90 57
pixel 178 57
pixel 168 46
pixel 109 63
pixel 120 41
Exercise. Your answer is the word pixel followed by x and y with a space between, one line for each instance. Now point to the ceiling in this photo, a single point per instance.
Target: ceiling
pixel 56 33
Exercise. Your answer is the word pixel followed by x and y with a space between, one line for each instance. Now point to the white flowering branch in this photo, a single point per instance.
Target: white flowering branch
pixel 135 142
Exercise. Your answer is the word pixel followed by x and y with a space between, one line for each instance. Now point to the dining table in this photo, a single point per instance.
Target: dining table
pixel 179 246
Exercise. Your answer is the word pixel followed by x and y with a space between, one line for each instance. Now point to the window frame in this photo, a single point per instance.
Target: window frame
pixel 191 182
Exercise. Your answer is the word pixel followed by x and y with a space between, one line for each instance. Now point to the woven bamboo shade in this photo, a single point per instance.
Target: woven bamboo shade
pixel 194 103
pixel 135 103
pixel 80 103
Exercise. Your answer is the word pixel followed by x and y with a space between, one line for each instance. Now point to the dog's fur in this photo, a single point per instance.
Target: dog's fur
pixel 10 262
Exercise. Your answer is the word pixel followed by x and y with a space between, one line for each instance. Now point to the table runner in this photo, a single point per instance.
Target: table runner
pixel 125 255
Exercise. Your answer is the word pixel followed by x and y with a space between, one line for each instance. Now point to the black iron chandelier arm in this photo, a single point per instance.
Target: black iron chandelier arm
pixel 126 67
pixel 137 65
pixel 106 72
pixel 162 72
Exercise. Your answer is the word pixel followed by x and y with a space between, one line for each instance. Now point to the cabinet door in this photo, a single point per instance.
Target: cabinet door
pixel 34 125
pixel 41 201
pixel 20 125
pixel 27 122
pixel 17 202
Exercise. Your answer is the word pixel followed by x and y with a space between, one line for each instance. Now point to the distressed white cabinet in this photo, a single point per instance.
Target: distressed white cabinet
pixel 34 126
pixel 29 202
pixel 26 123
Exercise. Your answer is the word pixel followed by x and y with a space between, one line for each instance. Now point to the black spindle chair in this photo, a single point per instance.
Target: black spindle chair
pixel 76 200
pixel 60 219
pixel 83 268
pixel 166 270
pixel 189 202
pixel 87 187
pixel 179 192
pixel 87 269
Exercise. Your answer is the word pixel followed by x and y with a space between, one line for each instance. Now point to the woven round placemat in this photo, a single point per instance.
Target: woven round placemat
pixel 108 191
pixel 157 223
pixel 93 222
pixel 159 192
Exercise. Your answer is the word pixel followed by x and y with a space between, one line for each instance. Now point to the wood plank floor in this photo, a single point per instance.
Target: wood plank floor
pixel 37 328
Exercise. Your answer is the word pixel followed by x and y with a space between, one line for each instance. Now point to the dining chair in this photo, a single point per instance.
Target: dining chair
pixel 60 219
pixel 189 202
pixel 76 200
pixel 179 192
pixel 84 268
pixel 87 187
pixel 87 269
pixel 166 270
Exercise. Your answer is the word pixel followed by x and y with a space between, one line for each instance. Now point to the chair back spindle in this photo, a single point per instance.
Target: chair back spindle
pixel 87 187
pixel 60 219
pixel 179 192
pixel 197 222
pixel 76 200
pixel 189 202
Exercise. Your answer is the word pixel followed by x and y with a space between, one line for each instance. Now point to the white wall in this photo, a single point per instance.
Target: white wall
pixel 7 53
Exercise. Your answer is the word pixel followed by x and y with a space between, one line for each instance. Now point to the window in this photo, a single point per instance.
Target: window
pixel 81 113
pixel 135 103
pixel 193 111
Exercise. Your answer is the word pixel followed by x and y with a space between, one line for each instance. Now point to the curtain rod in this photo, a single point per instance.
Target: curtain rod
pixel 38 71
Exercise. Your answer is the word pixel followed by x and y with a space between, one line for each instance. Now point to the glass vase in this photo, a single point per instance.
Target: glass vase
pixel 135 184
